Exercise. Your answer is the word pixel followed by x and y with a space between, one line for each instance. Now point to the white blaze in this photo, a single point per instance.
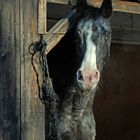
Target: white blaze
pixel 89 61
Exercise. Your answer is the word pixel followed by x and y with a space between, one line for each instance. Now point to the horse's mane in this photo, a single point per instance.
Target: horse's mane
pixel 91 13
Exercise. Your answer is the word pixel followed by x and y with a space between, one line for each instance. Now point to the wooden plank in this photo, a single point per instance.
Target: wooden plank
pixel 1 94
pixel 32 110
pixel 2 51
pixel 129 36
pixel 22 115
pixel 59 1
pixel 42 12
pixel 131 7
pixel 9 77
pixel 59 30
pixel 122 6
pixel 1 101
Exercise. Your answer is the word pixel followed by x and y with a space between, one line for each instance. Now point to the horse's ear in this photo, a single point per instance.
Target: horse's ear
pixel 106 8
pixel 81 6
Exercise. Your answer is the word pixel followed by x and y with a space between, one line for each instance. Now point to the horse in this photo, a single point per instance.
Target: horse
pixel 91 48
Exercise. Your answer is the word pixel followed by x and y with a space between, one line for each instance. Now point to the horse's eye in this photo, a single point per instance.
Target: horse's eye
pixel 76 34
pixel 79 34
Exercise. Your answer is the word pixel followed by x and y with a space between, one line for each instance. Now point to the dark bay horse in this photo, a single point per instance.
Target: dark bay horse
pixel 81 63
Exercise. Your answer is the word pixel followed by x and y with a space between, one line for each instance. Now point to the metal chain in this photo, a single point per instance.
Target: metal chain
pixel 48 95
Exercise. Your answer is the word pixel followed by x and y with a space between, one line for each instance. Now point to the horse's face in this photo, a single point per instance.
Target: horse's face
pixel 93 43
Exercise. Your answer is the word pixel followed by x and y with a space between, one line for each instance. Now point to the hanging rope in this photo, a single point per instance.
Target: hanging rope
pixel 46 91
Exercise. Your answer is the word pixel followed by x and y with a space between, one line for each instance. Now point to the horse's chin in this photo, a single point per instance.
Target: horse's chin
pixel 87 87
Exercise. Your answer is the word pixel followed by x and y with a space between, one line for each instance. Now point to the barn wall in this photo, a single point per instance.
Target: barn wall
pixel 125 27
pixel 9 71
pixel 22 115
pixel 117 104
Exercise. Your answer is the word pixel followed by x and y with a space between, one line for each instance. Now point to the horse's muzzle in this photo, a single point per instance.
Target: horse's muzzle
pixel 88 80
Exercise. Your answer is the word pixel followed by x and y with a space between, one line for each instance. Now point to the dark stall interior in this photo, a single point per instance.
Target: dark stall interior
pixel 117 106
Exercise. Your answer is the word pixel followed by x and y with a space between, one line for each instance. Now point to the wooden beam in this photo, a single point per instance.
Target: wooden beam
pixel 32 110
pixel 42 12
pixel 60 29
pixel 122 6
pixel 22 115
pixel 10 96
pixel 59 1
pixel 131 7
pixel 118 5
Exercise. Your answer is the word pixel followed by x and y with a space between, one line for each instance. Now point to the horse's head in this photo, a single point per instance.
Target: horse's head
pixel 93 43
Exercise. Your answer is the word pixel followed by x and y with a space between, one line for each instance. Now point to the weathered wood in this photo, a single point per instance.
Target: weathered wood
pixel 32 110
pixel 59 1
pixel 130 7
pixel 10 70
pixel 122 6
pixel 22 115
pixel 42 16
pixel 2 51
pixel 59 30
pixel 129 36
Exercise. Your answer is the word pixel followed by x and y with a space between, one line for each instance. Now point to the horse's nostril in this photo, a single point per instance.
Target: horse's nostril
pixel 96 74
pixel 79 76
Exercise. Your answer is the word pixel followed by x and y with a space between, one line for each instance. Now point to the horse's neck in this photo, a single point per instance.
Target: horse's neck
pixel 77 103
pixel 82 100
pixel 89 107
